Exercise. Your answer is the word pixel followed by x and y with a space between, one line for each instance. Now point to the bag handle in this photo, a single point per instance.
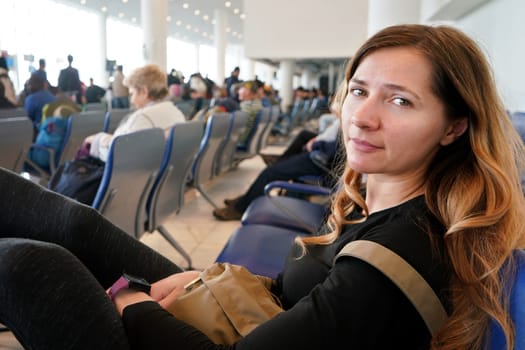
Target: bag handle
pixel 404 276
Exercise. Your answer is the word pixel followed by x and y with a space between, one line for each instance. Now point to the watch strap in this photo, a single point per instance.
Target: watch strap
pixel 121 283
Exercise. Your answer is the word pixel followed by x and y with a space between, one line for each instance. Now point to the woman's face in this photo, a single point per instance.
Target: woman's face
pixel 392 122
pixel 138 97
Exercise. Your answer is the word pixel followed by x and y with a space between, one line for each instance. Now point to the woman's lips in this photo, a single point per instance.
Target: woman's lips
pixel 362 145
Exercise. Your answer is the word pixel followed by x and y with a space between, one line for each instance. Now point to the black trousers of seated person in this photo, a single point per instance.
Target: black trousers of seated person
pixel 57 258
pixel 298 144
pixel 291 168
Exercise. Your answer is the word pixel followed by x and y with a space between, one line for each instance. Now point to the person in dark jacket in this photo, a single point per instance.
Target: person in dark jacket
pixel 69 81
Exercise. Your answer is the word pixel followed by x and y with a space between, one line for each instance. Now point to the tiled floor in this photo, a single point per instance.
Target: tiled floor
pixel 194 227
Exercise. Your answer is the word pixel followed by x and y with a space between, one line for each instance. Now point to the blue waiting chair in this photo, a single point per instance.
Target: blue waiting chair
pixel 225 159
pixel 251 148
pixel 167 194
pixel 203 169
pixel 114 117
pixel 262 249
pixel 133 162
pixel 16 137
pixel 517 309
pixel 288 212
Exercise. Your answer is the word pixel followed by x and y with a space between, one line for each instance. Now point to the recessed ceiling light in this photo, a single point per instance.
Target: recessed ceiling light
pixel 179 23
pixel 196 30
pixel 228 3
pixel 120 15
pixel 205 17
pixel 133 19
pixel 213 21
pixel 236 11
pixel 242 15
pixel 185 5
pixel 104 9
pixel 197 12
pixel 125 1
pixel 205 34
pixel 188 27
pixel 83 2
pixel 228 29
pixel 168 18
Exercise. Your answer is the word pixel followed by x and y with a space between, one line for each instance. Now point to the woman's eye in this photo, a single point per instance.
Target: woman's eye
pixel 400 101
pixel 357 92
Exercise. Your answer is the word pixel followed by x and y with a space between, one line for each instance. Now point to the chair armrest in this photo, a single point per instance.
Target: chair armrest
pixel 297 187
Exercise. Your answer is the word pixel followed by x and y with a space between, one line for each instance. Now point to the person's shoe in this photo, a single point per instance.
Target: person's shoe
pixel 269 159
pixel 227 214
pixel 231 202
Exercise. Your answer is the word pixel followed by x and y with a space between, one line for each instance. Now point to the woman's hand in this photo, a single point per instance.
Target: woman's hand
pixel 89 140
pixel 170 288
pixel 310 144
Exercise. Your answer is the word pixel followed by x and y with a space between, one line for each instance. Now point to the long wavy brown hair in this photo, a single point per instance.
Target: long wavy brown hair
pixel 472 186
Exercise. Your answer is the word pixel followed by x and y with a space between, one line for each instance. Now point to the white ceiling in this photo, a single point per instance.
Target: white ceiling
pixel 182 21
pixel 193 23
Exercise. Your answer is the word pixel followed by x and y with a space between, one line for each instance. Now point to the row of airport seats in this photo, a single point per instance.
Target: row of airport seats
pixel 140 164
pixel 302 111
pixel 79 126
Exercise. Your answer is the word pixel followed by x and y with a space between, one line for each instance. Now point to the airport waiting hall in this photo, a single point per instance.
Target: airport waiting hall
pixel 291 48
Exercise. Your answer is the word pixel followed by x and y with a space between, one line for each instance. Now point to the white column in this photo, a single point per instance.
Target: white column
pixel 306 78
pixel 383 13
pixel 155 31
pixel 198 58
pixel 341 70
pixel 331 78
pixel 221 22
pixel 103 79
pixel 251 69
pixel 287 71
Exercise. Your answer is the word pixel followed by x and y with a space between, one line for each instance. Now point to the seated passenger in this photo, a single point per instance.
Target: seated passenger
pixel 427 129
pixel 250 104
pixel 287 167
pixel 38 97
pixel 148 91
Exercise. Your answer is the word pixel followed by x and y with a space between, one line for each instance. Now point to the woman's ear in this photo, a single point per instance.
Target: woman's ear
pixel 454 131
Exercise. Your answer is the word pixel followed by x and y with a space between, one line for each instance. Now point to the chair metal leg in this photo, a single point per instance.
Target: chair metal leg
pixel 167 236
pixel 205 195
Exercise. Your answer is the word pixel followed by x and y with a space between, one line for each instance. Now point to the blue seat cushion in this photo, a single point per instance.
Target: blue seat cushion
pixel 261 249
pixel 517 309
pixel 286 212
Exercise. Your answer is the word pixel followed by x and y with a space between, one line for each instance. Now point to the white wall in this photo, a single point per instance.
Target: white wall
pixel 499 27
pixel 278 29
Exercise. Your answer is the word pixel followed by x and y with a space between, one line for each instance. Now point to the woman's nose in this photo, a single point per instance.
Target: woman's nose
pixel 366 114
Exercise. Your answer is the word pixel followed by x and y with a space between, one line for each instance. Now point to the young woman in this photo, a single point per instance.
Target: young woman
pixel 442 161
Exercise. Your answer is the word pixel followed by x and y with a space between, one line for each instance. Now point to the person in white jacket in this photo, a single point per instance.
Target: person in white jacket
pixel 148 91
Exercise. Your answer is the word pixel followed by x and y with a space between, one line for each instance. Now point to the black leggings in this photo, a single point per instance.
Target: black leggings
pixel 57 258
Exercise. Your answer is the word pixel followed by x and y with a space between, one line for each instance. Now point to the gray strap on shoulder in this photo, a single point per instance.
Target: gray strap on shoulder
pixel 411 283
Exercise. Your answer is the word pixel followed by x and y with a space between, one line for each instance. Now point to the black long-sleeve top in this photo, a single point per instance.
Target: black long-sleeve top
pixel 348 303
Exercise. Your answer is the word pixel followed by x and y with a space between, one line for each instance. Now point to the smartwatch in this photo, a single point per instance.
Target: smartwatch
pixel 127 281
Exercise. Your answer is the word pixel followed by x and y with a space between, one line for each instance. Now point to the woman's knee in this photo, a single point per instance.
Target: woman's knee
pixel 24 257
